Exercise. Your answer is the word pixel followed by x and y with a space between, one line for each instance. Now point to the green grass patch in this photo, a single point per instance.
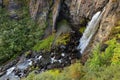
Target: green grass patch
pixel 44 44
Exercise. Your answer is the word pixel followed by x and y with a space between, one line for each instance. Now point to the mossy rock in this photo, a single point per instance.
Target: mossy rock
pixel 63 39
pixel 82 29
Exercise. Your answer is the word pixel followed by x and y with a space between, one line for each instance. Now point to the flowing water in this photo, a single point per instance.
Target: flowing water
pixel 91 29
pixel 43 61
pixel 11 74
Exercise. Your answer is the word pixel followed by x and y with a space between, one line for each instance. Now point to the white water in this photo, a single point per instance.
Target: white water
pixel 9 71
pixel 90 31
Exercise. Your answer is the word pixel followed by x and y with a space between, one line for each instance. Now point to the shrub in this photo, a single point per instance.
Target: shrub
pixel 48 75
pixel 17 36
pixel 74 72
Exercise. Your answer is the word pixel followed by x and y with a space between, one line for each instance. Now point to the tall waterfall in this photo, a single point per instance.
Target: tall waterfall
pixel 90 31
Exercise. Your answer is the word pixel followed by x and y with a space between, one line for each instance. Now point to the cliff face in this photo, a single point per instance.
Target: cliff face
pixel 80 9
pixel 76 12
pixel 110 19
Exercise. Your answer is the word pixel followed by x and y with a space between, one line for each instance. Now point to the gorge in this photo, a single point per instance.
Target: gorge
pixel 59 39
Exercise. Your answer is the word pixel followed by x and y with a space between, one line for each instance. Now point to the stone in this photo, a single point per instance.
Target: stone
pixel 13 8
pixel 1 3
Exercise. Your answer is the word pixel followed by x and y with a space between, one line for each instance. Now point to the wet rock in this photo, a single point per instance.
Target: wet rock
pixel 1 3
pixel 13 8
pixel 7 66
pixel 103 47
pixel 2 73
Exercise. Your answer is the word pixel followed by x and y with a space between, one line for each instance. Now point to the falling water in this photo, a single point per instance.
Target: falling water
pixel 90 31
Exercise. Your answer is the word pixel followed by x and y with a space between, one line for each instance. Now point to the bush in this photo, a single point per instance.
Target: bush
pixel 74 72
pixel 17 36
pixel 48 75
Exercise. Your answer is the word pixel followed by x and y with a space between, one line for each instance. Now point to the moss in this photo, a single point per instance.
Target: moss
pixel 27 53
pixel 82 20
pixel 82 29
pixel 63 39
pixel 44 44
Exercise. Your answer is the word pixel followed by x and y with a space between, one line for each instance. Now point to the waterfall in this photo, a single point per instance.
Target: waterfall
pixel 90 31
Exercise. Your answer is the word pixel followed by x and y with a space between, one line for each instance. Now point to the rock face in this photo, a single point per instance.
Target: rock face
pixel 56 10
pixel 110 18
pixel 80 9
pixel 38 8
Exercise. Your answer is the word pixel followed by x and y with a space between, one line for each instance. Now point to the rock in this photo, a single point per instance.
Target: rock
pixel 56 10
pixel 39 10
pixel 2 73
pixel 1 3
pixel 80 9
pixel 103 47
pixel 13 7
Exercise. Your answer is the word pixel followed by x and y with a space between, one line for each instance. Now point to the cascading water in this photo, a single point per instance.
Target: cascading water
pixel 89 32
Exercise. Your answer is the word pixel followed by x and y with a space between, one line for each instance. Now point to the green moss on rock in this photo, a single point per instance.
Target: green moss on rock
pixel 82 29
pixel 63 39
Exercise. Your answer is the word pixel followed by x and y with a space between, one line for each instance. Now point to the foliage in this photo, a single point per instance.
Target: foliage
pixel 63 39
pixel 17 36
pixel 102 58
pixel 103 73
pixel 74 72
pixel 116 56
pixel 48 75
pixel 44 44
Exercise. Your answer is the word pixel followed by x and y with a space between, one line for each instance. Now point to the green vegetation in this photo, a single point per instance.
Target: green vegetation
pixel 102 65
pixel 63 39
pixel 73 72
pixel 44 44
pixel 17 36
pixel 82 29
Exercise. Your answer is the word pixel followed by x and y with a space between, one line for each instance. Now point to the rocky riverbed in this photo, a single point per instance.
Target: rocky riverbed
pixel 57 57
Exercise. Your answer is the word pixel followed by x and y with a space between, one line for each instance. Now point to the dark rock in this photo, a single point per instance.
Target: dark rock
pixel 103 47
pixel 13 7
pixel 1 3
pixel 2 73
